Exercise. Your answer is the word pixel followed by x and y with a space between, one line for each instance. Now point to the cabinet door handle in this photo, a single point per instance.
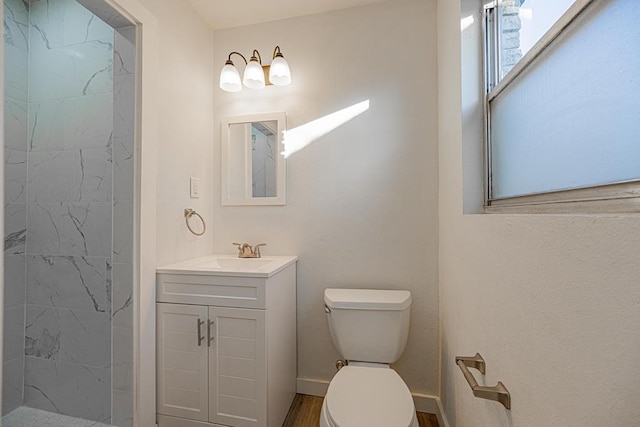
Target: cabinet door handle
pixel 200 336
pixel 209 337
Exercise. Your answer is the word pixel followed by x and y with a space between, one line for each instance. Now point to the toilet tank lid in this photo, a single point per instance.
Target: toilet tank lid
pixel 367 299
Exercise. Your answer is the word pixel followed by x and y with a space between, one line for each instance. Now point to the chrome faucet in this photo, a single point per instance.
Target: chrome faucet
pixel 246 251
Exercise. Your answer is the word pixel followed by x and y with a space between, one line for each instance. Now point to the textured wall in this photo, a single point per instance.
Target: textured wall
pixel 362 200
pixel 550 301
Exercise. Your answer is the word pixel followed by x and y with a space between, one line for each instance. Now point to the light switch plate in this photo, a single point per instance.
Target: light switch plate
pixel 194 186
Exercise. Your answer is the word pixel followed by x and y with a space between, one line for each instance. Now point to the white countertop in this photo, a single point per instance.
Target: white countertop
pixel 230 265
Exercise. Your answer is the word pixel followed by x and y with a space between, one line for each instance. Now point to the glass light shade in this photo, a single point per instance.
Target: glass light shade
pixel 279 73
pixel 253 75
pixel 230 79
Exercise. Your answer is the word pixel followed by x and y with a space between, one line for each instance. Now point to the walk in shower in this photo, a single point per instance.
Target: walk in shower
pixel 68 205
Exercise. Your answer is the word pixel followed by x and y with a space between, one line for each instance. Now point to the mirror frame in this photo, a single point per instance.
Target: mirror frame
pixel 281 164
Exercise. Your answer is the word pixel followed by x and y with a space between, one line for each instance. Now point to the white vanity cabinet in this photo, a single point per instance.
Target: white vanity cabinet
pixel 226 344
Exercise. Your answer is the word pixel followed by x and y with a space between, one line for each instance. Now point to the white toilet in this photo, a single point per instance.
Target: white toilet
pixel 369 329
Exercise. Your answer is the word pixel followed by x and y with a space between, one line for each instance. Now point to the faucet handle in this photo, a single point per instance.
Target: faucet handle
pixel 256 250
pixel 239 245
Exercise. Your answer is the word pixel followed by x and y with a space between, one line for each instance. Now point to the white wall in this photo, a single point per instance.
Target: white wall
pixel 551 302
pixel 186 81
pixel 362 201
pixel 177 50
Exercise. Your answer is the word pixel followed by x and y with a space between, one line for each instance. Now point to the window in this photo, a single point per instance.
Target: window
pixel 563 101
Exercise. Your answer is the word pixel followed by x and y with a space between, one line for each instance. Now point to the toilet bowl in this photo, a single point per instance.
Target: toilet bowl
pixel 361 396
pixel 369 329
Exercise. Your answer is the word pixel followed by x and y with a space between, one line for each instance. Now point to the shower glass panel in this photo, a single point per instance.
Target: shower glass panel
pixel 68 128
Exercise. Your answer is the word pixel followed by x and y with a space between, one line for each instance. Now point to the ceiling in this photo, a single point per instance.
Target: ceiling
pixel 235 13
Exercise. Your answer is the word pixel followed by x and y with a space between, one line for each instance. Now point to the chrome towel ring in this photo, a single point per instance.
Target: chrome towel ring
pixel 188 213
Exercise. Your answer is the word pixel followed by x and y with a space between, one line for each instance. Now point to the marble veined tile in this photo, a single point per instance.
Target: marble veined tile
pixel 69 389
pixel 70 229
pixel 85 26
pixel 15 228
pixel 42 332
pixel 88 121
pixel 122 310
pixel 71 123
pixel 15 176
pixel 124 105
pixel 15 124
pixel 122 375
pixel 71 71
pixel 109 278
pixel 124 51
pixel 70 282
pixel 70 336
pixel 70 176
pixel 122 411
pixel 123 231
pixel 12 383
pixel 16 82
pixel 14 280
pixel 47 25
pixel 16 24
pixel 30 417
pixel 13 337
pixel 86 338
pixel 123 163
pixel 46 125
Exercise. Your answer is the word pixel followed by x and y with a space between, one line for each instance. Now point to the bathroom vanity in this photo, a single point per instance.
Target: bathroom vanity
pixel 226 341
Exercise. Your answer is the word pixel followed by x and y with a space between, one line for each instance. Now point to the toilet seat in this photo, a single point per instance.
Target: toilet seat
pixel 369 396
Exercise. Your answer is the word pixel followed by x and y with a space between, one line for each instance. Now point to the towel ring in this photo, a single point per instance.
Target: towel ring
pixel 188 213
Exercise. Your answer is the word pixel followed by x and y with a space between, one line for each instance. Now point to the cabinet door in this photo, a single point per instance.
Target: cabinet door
pixel 183 361
pixel 237 367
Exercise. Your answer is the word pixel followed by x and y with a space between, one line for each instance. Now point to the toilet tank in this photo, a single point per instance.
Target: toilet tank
pixel 368 325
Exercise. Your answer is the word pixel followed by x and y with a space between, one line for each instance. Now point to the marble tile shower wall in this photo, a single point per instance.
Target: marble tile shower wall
pixel 264 162
pixel 68 178
pixel 16 42
pixel 69 211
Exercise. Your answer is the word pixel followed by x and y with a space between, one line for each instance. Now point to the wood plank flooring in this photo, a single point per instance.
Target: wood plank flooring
pixel 305 412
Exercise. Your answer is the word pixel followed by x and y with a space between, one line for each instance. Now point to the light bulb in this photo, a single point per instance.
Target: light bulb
pixel 230 78
pixel 279 73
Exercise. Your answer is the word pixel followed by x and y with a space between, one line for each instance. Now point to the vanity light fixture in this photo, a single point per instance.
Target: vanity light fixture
pixel 256 75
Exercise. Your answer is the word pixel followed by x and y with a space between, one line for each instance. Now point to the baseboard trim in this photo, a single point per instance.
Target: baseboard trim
pixel 312 387
pixel 430 405
pixel 423 402
pixel 442 417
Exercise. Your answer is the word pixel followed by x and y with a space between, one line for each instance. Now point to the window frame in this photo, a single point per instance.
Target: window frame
pixel 618 197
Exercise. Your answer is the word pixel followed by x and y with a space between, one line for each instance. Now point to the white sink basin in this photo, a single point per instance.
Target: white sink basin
pixel 241 263
pixel 230 265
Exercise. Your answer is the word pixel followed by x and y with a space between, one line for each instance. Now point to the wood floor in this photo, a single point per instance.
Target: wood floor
pixel 305 412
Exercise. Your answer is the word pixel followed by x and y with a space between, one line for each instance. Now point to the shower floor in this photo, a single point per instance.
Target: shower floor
pixel 29 417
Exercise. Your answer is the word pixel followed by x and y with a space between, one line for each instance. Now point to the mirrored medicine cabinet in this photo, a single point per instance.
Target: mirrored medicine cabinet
pixel 253 170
